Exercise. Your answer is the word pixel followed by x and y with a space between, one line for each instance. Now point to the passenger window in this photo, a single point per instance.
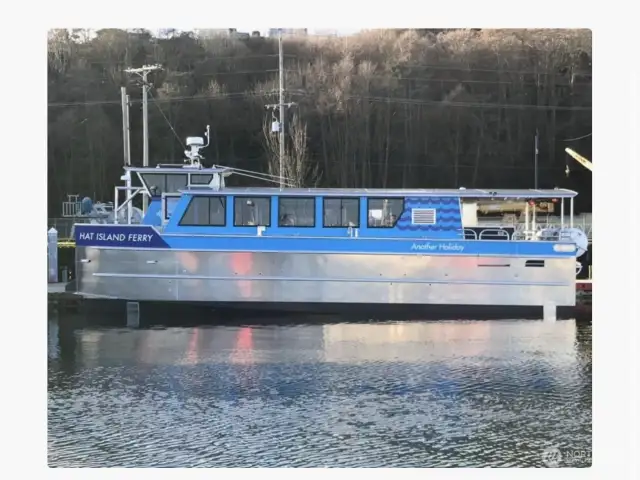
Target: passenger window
pixel 205 211
pixel 341 212
pixel 296 212
pixel 249 211
pixel 384 212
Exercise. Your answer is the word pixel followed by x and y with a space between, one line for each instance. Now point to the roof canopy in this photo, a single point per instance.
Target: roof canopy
pixel 388 193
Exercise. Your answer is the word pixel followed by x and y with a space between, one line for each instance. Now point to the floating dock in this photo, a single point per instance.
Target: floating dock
pixel 584 293
pixel 61 300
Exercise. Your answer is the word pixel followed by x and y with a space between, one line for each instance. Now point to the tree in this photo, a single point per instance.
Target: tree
pixel 384 108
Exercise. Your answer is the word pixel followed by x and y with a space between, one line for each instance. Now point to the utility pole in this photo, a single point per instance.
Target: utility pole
pixel 125 126
pixel 128 103
pixel 281 77
pixel 143 72
pixel 126 142
pixel 281 106
pixel 535 163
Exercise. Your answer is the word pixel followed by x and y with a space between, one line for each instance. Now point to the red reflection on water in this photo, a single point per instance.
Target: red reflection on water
pixel 243 351
pixel 192 349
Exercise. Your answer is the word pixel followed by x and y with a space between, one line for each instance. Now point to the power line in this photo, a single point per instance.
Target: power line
pixel 199 62
pixel 167 120
pixel 398 164
pixel 404 101
pixel 463 81
pixel 491 70
pixel 177 99
pixel 460 68
pixel 249 72
pixel 410 101
pixel 578 138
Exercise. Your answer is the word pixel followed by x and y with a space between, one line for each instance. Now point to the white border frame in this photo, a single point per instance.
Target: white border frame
pixel 615 325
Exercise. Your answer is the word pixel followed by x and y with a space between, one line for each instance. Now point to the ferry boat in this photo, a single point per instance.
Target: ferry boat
pixel 201 242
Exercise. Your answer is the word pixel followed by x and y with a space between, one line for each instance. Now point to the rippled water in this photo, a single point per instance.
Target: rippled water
pixel 395 395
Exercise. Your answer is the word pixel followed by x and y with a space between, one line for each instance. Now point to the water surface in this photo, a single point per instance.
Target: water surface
pixel 411 394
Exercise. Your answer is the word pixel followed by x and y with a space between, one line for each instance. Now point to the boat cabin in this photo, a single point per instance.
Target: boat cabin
pixel 191 200
pixel 379 213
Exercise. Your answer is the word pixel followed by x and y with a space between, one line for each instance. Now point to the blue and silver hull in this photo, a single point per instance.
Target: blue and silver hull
pixel 296 279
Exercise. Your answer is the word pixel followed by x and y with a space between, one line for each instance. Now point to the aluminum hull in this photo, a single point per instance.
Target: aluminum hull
pixel 270 278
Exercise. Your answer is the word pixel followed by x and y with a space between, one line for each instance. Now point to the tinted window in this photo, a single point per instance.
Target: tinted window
pixel 341 212
pixel 201 179
pixel 296 212
pixel 175 182
pixel 252 211
pixel 217 209
pixel 155 182
pixel 205 211
pixel 170 203
pixel 159 183
pixel 384 212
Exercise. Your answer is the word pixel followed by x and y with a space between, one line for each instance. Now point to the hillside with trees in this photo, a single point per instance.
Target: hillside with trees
pixel 384 108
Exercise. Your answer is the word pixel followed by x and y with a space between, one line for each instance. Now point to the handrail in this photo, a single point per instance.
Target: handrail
pixel 496 232
pixel 71 209
pixel 117 207
pixel 472 233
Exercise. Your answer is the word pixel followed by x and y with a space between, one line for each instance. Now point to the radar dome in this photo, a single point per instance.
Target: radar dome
pixel 86 206
pixel 574 235
pixel 579 238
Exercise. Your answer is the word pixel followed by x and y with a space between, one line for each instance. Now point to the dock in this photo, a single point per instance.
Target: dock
pixel 584 293
pixel 61 300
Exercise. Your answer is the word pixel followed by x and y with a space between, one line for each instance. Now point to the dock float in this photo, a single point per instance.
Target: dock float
pixel 61 300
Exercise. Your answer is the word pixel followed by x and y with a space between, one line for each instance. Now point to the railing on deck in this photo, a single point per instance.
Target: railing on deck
pixel 543 222
pixel 71 209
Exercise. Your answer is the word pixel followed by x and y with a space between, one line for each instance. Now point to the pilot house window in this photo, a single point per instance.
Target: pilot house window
pixel 159 183
pixel 205 211
pixel 200 179
pixel 384 212
pixel 297 212
pixel 249 211
pixel 341 212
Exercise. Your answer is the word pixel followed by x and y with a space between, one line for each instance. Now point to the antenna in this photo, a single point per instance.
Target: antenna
pixel 208 135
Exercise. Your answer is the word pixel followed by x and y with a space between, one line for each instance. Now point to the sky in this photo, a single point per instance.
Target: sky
pixel 264 30
pixel 340 31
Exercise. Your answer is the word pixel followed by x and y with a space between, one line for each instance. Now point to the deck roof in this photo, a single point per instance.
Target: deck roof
pixel 177 169
pixel 496 194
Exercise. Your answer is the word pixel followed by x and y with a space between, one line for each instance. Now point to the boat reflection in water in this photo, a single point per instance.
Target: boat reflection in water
pixel 394 394
pixel 417 342
pixel 485 349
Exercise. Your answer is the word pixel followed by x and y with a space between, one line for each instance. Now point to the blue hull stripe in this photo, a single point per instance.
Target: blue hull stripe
pixel 147 237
